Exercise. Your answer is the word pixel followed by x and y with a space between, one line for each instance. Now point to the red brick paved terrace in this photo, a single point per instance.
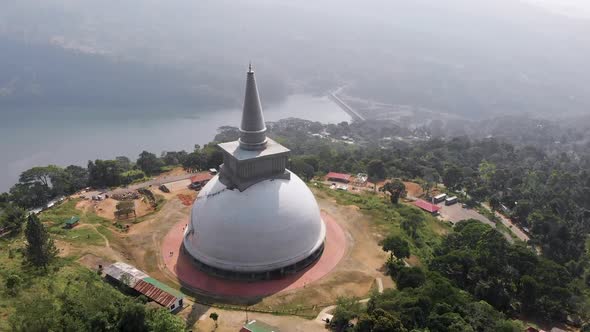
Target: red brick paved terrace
pixel 191 277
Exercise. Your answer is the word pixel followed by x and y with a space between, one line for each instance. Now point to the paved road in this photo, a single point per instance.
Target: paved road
pixel 354 114
pixel 154 182
pixel 510 225
pixel 456 213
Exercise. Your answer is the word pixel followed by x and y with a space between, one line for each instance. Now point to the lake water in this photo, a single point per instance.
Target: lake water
pixel 35 138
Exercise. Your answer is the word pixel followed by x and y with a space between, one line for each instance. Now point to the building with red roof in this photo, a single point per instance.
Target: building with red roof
pixel 338 177
pixel 428 207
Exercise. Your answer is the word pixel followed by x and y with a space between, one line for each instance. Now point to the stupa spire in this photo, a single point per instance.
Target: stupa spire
pixel 253 129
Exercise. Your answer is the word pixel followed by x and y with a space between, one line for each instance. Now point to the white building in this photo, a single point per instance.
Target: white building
pixel 255 219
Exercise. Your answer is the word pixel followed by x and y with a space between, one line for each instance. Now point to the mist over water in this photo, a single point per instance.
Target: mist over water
pixel 64 137
pixel 82 69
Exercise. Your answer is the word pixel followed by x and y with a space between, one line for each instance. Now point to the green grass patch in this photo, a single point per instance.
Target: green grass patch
pixel 81 235
pixel 168 168
pixel 388 218
pixel 107 233
pixel 503 229
pixel 56 217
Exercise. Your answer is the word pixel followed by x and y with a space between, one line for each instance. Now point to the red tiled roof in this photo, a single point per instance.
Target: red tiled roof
pixel 340 176
pixel 152 292
pixel 201 177
pixel 424 205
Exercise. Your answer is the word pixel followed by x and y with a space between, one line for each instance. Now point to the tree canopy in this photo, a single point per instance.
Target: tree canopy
pixel 40 250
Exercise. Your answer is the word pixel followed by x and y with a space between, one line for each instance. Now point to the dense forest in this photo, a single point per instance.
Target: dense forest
pixel 473 273
pixel 476 281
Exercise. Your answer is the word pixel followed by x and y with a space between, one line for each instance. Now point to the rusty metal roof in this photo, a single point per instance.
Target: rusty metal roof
pixel 339 176
pixel 153 292
pixel 426 206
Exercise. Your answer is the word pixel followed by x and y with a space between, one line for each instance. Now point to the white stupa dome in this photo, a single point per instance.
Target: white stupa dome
pixel 256 219
pixel 273 225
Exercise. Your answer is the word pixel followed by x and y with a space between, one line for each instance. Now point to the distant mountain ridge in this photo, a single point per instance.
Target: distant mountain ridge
pixel 49 75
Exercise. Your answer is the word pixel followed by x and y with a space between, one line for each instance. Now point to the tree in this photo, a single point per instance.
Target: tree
pixel 13 218
pixel 149 163
pixel 395 189
pixel 347 308
pixel 39 174
pixel 35 311
pixel 31 194
pixel 13 283
pixel 162 320
pixel 194 161
pixel 411 221
pixel 302 169
pixel 123 163
pixel 214 316
pixel 213 155
pixel 376 169
pixel 4 198
pixel 133 318
pixel 431 175
pixel 379 321
pixel 40 250
pixel 396 246
pixel 494 203
pixel 410 277
pixel 173 158
pixel 453 177
pixel 77 178
pixel 104 173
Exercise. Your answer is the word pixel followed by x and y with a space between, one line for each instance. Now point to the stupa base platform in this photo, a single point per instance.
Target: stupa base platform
pixel 181 265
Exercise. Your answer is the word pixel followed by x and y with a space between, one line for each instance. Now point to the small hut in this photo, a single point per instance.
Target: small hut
pixel 72 222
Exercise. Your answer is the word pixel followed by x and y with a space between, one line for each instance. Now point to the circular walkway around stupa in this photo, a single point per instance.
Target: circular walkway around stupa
pixel 180 264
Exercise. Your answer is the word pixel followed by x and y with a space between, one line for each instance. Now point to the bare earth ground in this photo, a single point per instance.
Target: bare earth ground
pixel 107 207
pixel 356 272
pixel 175 172
pixel 413 189
pixel 177 187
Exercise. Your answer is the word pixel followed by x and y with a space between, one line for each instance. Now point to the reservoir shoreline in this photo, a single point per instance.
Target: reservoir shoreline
pixel 63 140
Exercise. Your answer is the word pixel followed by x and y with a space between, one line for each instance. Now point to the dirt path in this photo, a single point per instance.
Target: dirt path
pixel 106 241
pixel 326 310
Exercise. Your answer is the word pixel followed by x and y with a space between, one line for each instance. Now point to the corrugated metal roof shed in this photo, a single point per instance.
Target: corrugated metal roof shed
pixel 125 273
pixel 258 326
pixel 155 292
pixel 426 206
pixel 163 287
pixel 338 176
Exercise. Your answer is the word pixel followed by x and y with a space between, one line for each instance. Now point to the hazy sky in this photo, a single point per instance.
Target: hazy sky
pixel 459 56
pixel 576 8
